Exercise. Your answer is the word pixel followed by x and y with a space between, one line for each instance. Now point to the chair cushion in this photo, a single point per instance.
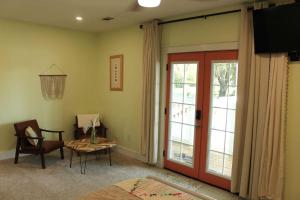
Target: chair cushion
pixel 84 121
pixel 21 127
pixel 31 133
pixel 49 145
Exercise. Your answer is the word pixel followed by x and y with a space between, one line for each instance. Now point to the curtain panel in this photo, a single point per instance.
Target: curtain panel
pixel 150 98
pixel 258 160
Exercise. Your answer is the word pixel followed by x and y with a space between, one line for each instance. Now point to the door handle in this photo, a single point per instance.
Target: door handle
pixel 198 114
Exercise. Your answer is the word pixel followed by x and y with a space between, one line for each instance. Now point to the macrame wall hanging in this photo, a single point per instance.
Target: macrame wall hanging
pixel 53 83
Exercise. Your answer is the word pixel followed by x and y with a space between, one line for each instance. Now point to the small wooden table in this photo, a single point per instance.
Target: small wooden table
pixel 83 146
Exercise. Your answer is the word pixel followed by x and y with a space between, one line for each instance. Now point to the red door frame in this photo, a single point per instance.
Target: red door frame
pixel 198 57
pixel 203 103
pixel 203 175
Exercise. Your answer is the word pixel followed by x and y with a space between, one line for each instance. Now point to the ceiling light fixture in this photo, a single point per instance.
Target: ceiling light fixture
pixel 149 3
pixel 79 18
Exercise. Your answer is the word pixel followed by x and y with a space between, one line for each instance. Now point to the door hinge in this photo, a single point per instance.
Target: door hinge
pixel 164 153
pixel 165 111
pixel 167 67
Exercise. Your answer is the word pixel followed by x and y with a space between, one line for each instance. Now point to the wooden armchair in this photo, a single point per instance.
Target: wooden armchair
pixel 42 147
pixel 80 134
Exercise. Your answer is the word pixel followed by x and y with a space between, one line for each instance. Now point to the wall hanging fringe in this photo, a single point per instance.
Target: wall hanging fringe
pixel 53 84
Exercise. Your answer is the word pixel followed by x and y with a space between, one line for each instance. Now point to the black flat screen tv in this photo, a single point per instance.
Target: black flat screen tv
pixel 277 29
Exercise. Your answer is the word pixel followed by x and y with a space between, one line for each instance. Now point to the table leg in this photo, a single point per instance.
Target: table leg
pixel 83 163
pixel 98 155
pixel 86 155
pixel 71 157
pixel 80 163
pixel 109 154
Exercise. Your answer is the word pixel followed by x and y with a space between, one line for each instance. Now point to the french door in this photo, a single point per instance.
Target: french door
pixel 200 115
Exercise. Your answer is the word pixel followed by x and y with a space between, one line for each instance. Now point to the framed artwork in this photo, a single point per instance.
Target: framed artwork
pixel 116 73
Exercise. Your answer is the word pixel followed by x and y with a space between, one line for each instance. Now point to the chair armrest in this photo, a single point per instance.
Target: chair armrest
pixel 28 137
pixel 50 131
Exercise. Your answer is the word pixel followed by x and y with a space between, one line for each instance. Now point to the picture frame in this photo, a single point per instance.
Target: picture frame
pixel 116 72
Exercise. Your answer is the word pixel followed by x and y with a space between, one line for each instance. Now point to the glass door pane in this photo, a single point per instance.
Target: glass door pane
pixel 183 96
pixel 223 96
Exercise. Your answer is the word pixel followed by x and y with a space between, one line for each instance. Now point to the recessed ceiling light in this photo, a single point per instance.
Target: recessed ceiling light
pixel 149 3
pixel 78 18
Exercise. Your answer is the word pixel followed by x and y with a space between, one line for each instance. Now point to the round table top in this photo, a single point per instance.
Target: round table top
pixel 84 145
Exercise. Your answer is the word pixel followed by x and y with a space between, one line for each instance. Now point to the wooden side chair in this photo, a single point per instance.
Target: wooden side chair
pixel 80 133
pixel 42 147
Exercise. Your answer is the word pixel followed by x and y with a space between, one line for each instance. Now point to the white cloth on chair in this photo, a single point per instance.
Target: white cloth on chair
pixel 85 121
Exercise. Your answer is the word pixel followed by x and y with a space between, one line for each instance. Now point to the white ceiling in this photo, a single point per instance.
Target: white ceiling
pixel 61 13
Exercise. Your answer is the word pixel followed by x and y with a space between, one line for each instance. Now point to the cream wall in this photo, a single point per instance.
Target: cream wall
pixel 122 110
pixel 292 191
pixel 27 50
pixel 223 28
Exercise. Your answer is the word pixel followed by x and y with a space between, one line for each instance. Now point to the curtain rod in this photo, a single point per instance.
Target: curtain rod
pixel 199 17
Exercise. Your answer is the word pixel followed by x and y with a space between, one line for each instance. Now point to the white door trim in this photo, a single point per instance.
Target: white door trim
pixel 202 47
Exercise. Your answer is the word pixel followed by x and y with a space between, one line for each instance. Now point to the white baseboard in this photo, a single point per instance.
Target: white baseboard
pixel 120 149
pixel 9 154
pixel 130 153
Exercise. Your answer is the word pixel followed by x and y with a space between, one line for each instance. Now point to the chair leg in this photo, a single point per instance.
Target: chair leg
pixel 17 151
pixel 62 153
pixel 43 160
pixel 17 155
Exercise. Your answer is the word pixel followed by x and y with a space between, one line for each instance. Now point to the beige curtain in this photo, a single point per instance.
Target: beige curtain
pixel 53 86
pixel 150 99
pixel 258 160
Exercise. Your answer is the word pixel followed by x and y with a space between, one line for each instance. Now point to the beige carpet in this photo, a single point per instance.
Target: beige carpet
pixel 27 181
